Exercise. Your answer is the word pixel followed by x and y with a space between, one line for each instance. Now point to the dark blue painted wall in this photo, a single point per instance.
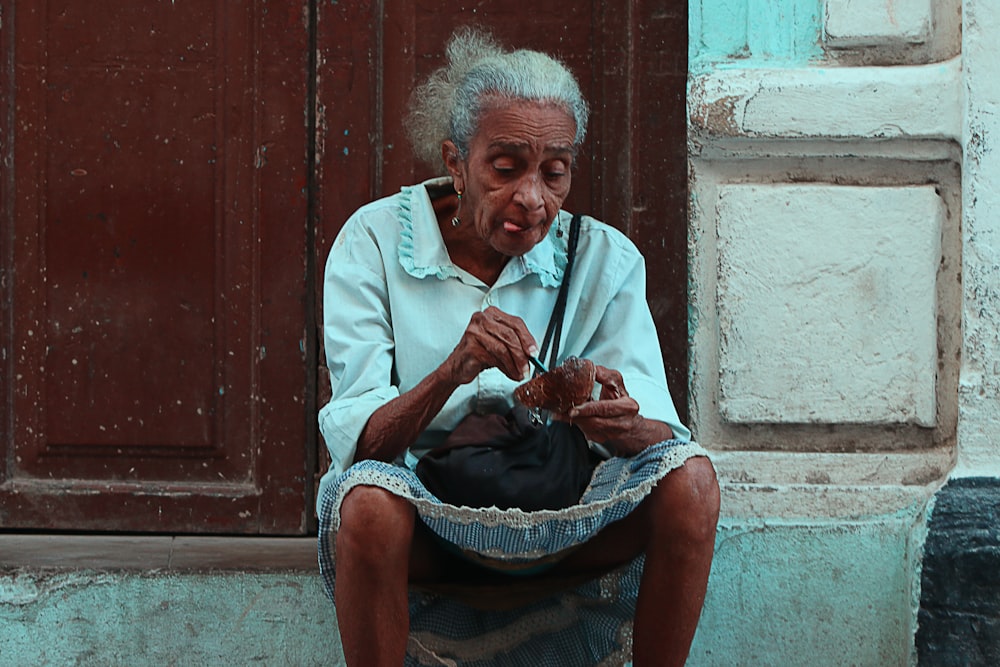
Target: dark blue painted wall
pixel 959 617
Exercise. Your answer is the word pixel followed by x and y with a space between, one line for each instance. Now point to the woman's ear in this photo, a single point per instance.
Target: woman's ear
pixel 453 162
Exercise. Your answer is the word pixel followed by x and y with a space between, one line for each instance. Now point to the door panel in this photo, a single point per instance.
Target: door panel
pixel 155 276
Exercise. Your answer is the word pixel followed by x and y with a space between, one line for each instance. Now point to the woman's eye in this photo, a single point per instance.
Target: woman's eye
pixel 503 166
pixel 555 170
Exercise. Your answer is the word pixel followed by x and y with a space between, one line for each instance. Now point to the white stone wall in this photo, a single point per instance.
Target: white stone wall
pixel 979 389
pixel 844 315
pixel 848 272
pixel 829 252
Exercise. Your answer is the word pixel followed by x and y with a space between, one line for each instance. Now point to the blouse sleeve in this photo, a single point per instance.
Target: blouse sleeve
pixel 357 335
pixel 626 340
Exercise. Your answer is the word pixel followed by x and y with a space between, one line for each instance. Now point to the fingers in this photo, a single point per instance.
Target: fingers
pixel 612 383
pixel 496 339
pixel 613 415
pixel 613 419
pixel 507 349
pixel 625 407
pixel 607 421
pixel 514 341
pixel 525 341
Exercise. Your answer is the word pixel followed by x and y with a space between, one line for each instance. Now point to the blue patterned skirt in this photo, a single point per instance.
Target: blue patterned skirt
pixel 590 624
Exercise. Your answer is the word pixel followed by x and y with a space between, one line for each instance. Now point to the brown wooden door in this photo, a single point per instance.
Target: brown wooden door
pixel 171 177
pixel 153 266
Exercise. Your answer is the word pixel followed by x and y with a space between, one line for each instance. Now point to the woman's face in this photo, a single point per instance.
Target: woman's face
pixel 517 174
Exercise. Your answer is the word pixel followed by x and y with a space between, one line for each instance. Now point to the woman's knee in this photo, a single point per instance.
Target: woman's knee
pixel 374 522
pixel 686 501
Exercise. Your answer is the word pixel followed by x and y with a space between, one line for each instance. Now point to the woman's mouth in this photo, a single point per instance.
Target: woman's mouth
pixel 512 228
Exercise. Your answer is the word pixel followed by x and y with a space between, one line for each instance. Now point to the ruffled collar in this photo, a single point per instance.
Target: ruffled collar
pixel 422 251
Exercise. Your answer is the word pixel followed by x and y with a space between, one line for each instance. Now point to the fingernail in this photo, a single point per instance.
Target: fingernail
pixel 527 372
pixel 533 350
pixel 573 412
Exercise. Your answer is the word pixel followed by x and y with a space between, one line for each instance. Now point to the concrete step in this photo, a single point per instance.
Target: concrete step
pixel 162 600
pixel 816 593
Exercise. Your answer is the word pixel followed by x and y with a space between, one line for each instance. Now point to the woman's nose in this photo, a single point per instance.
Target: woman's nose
pixel 529 193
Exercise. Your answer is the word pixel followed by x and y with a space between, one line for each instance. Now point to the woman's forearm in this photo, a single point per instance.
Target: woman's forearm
pixel 395 426
pixel 493 339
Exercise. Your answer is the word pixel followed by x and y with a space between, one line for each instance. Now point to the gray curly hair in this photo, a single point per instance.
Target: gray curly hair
pixel 477 69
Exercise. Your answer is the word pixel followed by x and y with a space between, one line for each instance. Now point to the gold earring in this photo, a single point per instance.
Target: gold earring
pixel 456 221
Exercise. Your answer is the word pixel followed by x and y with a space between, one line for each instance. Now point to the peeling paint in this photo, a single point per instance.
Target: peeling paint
pixel 720 116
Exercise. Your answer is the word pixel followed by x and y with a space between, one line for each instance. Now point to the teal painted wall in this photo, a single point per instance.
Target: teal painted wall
pixel 781 593
pixel 134 619
pixel 774 33
pixel 812 594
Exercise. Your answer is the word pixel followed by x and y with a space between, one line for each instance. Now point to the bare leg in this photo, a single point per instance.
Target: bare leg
pixel 675 526
pixel 377 551
pixel 684 513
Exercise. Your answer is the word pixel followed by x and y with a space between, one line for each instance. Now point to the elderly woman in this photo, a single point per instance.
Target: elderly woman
pixel 433 301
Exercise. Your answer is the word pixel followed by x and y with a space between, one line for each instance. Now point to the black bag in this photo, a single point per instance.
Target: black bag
pixel 509 461
pixel 518 459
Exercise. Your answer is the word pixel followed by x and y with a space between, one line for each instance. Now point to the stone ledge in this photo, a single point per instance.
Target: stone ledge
pixel 849 24
pixel 170 553
pixel 847 103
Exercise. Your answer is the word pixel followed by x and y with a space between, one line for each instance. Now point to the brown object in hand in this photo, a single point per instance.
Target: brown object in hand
pixel 562 388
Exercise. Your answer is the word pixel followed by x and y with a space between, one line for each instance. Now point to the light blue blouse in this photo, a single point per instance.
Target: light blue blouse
pixel 394 306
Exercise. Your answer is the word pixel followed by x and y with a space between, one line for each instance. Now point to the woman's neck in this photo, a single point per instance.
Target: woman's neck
pixel 465 247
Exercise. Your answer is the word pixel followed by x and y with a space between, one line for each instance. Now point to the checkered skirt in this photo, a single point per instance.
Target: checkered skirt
pixel 590 624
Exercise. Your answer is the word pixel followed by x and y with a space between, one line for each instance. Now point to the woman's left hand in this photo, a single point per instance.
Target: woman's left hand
pixel 614 420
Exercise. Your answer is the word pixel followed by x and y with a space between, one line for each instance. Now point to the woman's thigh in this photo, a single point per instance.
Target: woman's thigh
pixel 430 562
pixel 383 529
pixel 617 544
pixel 682 505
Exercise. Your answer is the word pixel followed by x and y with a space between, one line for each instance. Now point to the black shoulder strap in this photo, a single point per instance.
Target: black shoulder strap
pixel 553 332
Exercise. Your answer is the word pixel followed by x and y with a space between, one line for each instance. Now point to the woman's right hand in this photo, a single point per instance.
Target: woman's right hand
pixel 493 339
